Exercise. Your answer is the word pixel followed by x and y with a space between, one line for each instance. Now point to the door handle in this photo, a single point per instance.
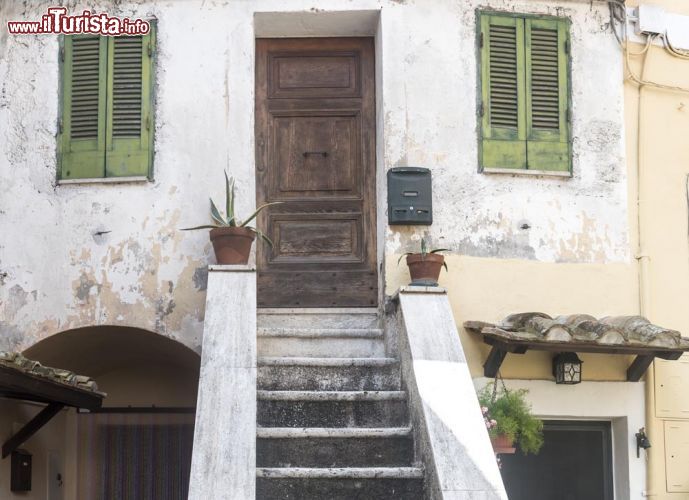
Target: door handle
pixel 324 154
pixel 260 157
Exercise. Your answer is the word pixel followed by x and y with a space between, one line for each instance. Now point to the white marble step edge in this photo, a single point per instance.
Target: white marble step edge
pixel 321 333
pixel 330 432
pixel 330 395
pixel 307 311
pixel 341 472
pixel 324 362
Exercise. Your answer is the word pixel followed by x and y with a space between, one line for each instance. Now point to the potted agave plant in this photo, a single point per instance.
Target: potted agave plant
pixel 509 421
pixel 231 237
pixel 424 267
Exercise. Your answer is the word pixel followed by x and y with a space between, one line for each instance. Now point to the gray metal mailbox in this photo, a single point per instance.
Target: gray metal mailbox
pixel 410 199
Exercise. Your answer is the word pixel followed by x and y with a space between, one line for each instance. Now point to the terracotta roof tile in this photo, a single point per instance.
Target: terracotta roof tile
pixel 18 362
pixel 583 329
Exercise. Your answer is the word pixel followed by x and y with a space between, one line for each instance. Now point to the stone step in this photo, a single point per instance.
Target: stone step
pixel 349 317
pixel 338 447
pixel 332 409
pixel 335 347
pixel 328 374
pixel 319 333
pixel 379 483
pixel 320 342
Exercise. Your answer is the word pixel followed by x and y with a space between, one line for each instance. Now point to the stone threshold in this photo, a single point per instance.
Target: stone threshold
pixel 317 310
pixel 332 432
pixel 330 395
pixel 341 472
pixel 302 361
pixel 359 333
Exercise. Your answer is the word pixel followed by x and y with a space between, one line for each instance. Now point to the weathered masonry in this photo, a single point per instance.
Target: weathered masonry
pixel 316 370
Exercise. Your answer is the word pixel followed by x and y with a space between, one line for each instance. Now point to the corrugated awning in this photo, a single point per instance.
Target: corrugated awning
pixel 631 335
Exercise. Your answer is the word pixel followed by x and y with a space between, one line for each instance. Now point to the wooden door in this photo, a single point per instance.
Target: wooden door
pixel 315 152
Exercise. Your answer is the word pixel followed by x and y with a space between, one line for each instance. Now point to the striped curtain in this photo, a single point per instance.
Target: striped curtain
pixel 134 456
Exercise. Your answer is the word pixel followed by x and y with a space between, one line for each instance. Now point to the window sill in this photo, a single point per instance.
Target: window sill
pixel 533 173
pixel 105 180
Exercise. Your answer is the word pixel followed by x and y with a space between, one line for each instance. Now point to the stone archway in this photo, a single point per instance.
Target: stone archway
pixel 139 444
pixel 135 366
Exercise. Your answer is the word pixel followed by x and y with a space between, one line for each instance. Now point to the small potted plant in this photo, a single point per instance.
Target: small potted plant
pixel 231 237
pixel 424 267
pixel 511 421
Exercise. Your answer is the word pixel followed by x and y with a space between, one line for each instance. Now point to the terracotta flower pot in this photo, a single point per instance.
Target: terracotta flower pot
pixel 232 245
pixel 502 444
pixel 425 269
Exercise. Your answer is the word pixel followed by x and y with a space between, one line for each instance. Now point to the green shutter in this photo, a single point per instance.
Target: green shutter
pixel 547 94
pixel 129 120
pixel 503 127
pixel 82 141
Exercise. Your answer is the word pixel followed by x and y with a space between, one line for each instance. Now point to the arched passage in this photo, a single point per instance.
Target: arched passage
pixel 135 367
pixel 139 444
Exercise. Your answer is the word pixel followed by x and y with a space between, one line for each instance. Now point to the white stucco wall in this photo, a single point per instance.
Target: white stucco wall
pixel 78 255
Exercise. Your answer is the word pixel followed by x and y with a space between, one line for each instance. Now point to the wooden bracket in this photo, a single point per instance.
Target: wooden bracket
pixel 492 364
pixel 497 356
pixel 639 367
pixel 33 426
pixel 643 361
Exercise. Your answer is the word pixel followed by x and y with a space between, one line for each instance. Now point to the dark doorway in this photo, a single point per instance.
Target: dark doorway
pixel 315 153
pixel 134 454
pixel 575 463
pixel 139 445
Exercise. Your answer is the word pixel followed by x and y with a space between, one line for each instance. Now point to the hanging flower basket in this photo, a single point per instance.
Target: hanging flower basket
pixel 502 444
pixel 508 418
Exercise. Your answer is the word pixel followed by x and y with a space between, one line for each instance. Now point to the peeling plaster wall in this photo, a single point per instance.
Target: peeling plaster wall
pixel 430 120
pixel 90 254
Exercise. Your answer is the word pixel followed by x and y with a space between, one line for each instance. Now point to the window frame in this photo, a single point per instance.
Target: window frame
pixel 152 96
pixel 482 108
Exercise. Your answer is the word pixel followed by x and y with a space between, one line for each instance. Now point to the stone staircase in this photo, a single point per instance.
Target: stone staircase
pixel 333 421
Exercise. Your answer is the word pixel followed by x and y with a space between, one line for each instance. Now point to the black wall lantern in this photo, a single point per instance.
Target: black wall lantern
pixel 642 441
pixel 567 368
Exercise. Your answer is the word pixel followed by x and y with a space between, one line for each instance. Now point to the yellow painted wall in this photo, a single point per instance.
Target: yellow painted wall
pixel 488 289
pixel 660 140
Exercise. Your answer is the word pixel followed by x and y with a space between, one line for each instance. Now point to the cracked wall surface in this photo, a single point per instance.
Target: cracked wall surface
pixel 112 254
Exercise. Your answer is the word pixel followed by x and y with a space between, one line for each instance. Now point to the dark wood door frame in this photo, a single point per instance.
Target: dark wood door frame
pixel 315 153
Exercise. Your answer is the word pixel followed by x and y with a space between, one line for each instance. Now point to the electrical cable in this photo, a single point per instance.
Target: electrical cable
pixel 618 12
pixel 640 81
pixel 682 54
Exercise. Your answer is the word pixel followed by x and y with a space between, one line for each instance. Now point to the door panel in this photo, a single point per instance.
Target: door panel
pixel 315 153
pixel 314 72
pixel 322 237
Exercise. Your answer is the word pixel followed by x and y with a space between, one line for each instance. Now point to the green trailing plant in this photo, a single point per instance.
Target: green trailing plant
pixel 230 218
pixel 511 413
pixel 424 251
